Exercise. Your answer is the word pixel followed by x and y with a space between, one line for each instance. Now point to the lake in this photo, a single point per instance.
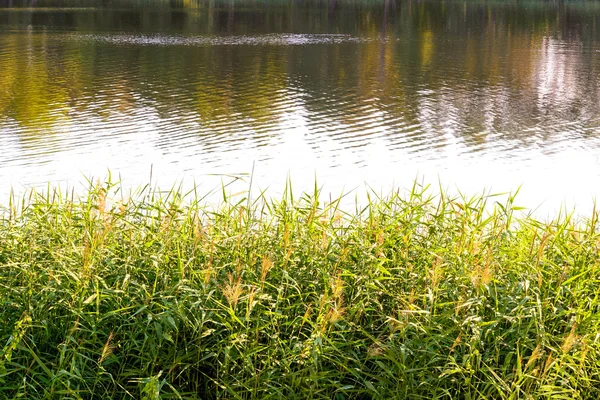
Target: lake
pixel 476 95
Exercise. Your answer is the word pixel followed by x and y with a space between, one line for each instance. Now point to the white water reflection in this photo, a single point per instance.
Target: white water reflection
pixel 551 177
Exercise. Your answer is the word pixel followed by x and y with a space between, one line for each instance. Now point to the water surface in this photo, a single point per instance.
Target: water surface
pixel 475 94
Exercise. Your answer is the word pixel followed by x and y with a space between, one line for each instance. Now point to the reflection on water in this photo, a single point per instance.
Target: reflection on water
pixel 478 94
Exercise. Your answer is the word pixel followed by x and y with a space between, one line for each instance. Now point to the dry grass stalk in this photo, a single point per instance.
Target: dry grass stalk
pixel 571 339
pixel 233 290
pixel 108 349
pixel 265 267
pixel 457 341
pixel 535 355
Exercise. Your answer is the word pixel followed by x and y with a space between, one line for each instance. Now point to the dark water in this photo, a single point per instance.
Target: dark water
pixel 475 94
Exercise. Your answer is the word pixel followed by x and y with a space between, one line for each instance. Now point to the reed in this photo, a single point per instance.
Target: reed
pixel 413 296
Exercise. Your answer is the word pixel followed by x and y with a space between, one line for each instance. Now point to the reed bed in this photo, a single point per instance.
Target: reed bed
pixel 414 296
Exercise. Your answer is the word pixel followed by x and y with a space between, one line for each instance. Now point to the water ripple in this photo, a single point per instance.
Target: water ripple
pixel 238 40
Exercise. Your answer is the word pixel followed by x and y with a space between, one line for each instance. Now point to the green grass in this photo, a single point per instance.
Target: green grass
pixel 413 297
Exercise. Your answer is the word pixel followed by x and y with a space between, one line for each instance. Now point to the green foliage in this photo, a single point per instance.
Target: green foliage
pixel 414 296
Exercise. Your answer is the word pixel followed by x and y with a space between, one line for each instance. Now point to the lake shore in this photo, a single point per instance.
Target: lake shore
pixel 410 296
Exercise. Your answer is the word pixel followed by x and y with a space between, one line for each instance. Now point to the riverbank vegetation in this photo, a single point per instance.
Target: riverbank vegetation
pixel 412 296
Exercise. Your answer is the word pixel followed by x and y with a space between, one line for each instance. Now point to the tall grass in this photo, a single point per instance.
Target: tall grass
pixel 414 296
